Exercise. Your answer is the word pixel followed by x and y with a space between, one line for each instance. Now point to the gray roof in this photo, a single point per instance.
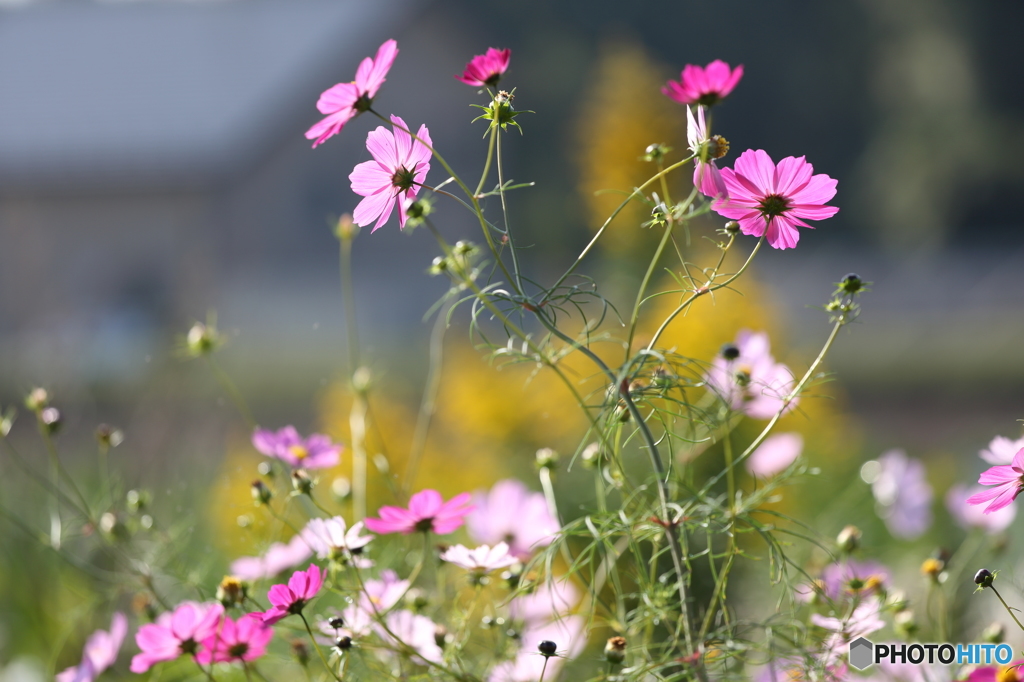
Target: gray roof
pixel 168 92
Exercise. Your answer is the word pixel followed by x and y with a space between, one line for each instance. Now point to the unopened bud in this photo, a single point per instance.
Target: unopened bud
pixel 661 378
pixel 37 399
pixel 438 265
pixel 232 590
pixel 904 622
pixel 848 539
pixel 547 458
pixel 547 648
pixel 621 412
pixel 108 436
pixel 730 351
pixel 591 455
pixel 202 339
pixel 655 152
pixel 851 284
pixel 984 578
pixel 345 229
pixel 301 482
pixel 260 492
pixel 440 635
pixel 341 488
pixel 362 378
pixel 994 633
pixel 49 417
pixel 336 622
pixel 932 568
pixel 300 651
pixel 615 650
pixel 343 643
pixel 731 227
pixel 137 500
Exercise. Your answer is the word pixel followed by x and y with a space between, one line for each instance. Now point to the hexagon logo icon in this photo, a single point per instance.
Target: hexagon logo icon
pixel 861 653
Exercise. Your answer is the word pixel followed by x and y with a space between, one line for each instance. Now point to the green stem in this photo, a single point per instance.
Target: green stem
pixel 316 646
pixel 429 402
pixel 508 227
pixel 1007 607
pixel 349 302
pixel 233 393
pixel 635 316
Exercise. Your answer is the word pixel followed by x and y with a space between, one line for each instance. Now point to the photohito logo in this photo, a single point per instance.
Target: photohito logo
pixel 864 653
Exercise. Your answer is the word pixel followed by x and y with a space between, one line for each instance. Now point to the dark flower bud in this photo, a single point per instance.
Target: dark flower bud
pixel 438 265
pixel 622 412
pixel 49 417
pixel 547 648
pixel 984 578
pixel 655 152
pixel 301 482
pixel 730 351
pixel 300 651
pixel 615 650
pixel 337 622
pixel 731 227
pixel 343 643
pixel 440 635
pixel 261 493
pixel 851 284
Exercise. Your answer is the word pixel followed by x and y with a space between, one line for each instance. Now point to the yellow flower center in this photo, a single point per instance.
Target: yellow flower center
pixel 298 452
pixel 1008 674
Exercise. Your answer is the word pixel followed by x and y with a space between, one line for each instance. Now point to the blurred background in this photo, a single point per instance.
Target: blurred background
pixel 153 169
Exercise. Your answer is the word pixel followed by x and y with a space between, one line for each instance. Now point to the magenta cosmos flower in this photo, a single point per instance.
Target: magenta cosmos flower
pixel 243 640
pixel 486 69
pixel 427 512
pixel 706 176
pixel 99 653
pixel 511 513
pixel 315 452
pixel 1003 673
pixel 707 85
pixel 774 454
pixel 1008 481
pixel 288 600
pixel 176 633
pixel 345 101
pixel 279 557
pixel 772 200
pixel 399 167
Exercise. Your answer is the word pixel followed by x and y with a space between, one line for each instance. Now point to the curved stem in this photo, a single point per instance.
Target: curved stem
pixel 316 646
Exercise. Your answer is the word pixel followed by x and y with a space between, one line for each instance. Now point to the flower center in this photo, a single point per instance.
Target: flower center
pixel 298 452
pixel 188 646
pixel 425 525
pixel 1008 674
pixel 773 205
pixel 493 79
pixel 238 650
pixel 403 179
pixel 709 99
pixel 363 103
pixel 296 606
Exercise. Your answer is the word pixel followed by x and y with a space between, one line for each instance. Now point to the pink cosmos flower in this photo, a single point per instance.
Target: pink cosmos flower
pixel 278 557
pixel 413 630
pixel 903 494
pixel 706 85
pixel 549 601
pixel 99 653
pixel 511 513
pixel 330 539
pixel 1002 673
pixel 486 69
pixel 345 101
pixel 427 512
pixel 865 619
pixel 775 454
pixel 315 452
pixel 287 600
pixel 399 167
pixel 706 176
pixel 483 559
pixel 752 382
pixel 1001 450
pixel 772 200
pixel 851 576
pixel 243 640
pixel 971 516
pixel 176 633
pixel 1008 481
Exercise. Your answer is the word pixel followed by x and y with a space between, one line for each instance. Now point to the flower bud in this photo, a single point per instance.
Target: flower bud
pixel 362 379
pixel 621 412
pixel 109 437
pixel 417 210
pixel 202 339
pixel 37 399
pixel 848 539
pixel 851 284
pixel 438 265
pixel 336 622
pixel 300 651
pixel 343 643
pixel 655 152
pixel 984 578
pixel 730 351
pixel 6 422
pixel 50 418
pixel 661 378
pixel 232 590
pixel 904 623
pixel 137 500
pixel 591 455
pixel 440 635
pixel 261 493
pixel 547 648
pixel 932 568
pixel 742 378
pixel 615 650
pixel 994 633
pixel 345 229
pixel 301 482
pixel 731 227
pixel 547 458
pixel 341 488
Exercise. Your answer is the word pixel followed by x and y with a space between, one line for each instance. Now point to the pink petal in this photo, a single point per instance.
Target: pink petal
pixel 757 167
pixel 425 504
pixel 341 96
pixel 782 234
pixel 997 475
pixel 791 175
pixel 1009 494
pixel 381 143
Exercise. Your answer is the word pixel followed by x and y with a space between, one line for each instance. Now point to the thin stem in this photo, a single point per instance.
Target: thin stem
pixel 544 669
pixel 634 317
pixel 487 163
pixel 1007 607
pixel 429 402
pixel 357 433
pixel 349 302
pixel 508 228
pixel 316 646
pixel 233 393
